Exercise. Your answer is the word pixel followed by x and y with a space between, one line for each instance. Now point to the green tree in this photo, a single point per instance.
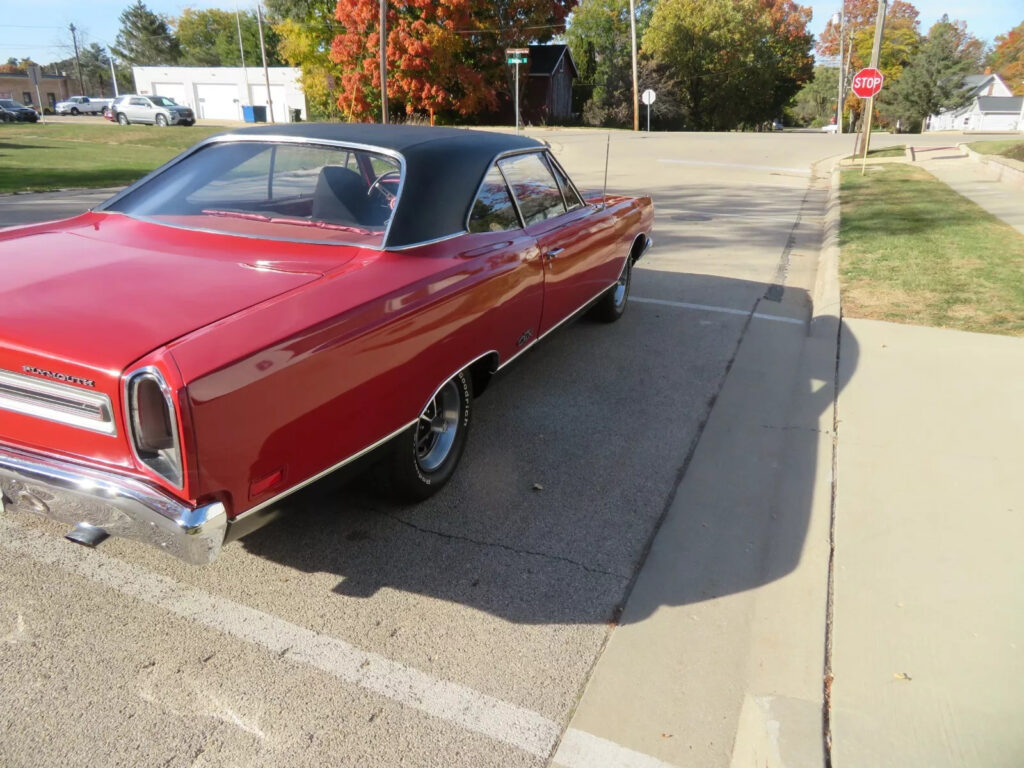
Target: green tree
pixel 305 29
pixel 816 102
pixel 145 39
pixel 738 62
pixel 933 78
pixel 598 37
pixel 209 38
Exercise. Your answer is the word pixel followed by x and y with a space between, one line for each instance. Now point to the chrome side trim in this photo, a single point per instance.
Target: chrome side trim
pixel 319 475
pixel 575 313
pixel 60 403
pixel 421 243
pixel 373 446
pixel 119 505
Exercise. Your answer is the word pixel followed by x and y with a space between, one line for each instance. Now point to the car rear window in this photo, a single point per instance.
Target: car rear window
pixel 292 191
pixel 493 209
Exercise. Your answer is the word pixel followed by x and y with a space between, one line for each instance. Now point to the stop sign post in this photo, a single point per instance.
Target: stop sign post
pixel 866 84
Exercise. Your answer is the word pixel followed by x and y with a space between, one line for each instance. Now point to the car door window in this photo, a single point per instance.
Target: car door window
pixel 569 193
pixel 493 209
pixel 139 103
pixel 534 187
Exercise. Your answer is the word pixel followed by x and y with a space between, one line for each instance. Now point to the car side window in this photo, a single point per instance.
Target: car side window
pixel 493 210
pixel 533 185
pixel 139 102
pixel 572 198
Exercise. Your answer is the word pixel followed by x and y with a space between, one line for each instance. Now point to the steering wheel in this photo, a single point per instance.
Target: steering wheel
pixel 378 186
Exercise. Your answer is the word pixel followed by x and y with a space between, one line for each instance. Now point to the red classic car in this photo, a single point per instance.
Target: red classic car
pixel 275 303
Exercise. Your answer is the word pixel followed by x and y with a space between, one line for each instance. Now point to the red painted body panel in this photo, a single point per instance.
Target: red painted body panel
pixel 286 357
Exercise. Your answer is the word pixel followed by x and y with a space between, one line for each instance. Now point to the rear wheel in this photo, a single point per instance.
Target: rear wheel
pixel 424 457
pixel 122 118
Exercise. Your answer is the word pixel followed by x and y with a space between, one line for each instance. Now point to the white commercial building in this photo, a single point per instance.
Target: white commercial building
pixel 220 93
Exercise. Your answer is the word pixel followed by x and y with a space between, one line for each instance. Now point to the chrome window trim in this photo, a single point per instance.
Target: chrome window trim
pixel 508 189
pixel 544 153
pixel 133 426
pixel 554 161
pixel 43 389
pixel 228 138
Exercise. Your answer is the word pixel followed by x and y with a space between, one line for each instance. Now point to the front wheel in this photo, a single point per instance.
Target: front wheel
pixel 74 111
pixel 161 121
pixel 424 457
pixel 612 304
pixel 122 118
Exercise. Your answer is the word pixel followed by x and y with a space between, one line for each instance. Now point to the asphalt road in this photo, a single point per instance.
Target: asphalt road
pixel 459 632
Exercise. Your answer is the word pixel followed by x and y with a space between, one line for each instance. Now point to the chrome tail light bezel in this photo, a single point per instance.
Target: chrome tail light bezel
pixel 167 463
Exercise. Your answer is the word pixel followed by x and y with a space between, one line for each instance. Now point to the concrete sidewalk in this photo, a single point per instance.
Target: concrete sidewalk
pixel 928 657
pixel 973 180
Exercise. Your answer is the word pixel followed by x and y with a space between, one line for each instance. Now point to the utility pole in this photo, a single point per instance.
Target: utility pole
pixel 865 136
pixel 113 76
pixel 842 65
pixel 241 53
pixel 384 62
pixel 78 62
pixel 263 52
pixel 636 79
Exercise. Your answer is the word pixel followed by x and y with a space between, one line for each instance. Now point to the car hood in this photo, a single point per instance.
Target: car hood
pixel 103 290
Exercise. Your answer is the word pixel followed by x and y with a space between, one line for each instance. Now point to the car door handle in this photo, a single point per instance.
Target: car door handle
pixel 552 253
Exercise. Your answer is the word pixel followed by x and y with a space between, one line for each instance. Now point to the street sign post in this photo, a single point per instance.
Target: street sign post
pixel 35 74
pixel 648 97
pixel 866 84
pixel 515 57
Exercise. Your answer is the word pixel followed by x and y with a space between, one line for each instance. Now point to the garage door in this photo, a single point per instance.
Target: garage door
pixel 174 91
pixel 218 101
pixel 277 92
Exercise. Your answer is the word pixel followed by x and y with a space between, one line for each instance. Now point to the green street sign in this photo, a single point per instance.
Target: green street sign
pixel 515 60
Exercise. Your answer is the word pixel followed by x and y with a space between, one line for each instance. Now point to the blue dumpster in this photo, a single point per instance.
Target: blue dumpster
pixel 247 114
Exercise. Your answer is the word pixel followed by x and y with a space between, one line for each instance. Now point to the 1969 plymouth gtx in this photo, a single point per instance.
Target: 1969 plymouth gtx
pixel 276 303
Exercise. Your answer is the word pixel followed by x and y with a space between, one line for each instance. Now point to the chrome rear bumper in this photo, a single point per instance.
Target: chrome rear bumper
pixel 120 506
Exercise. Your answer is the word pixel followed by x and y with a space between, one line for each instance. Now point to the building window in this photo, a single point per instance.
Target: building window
pixel 26 98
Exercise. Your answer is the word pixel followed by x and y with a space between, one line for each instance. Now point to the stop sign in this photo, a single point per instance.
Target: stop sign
pixel 867 82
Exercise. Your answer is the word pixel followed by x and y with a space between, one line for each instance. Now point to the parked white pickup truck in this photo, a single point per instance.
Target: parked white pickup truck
pixel 81 105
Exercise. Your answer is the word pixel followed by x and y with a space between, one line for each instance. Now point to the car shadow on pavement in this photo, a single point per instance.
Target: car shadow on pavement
pixel 574 459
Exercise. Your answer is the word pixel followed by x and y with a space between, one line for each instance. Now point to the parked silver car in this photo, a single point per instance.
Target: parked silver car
pixel 154 110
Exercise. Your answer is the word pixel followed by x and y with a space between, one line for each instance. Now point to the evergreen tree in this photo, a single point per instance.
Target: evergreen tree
pixel 145 39
pixel 933 78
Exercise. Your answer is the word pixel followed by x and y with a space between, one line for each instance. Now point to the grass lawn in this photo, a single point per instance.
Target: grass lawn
pixel 1013 148
pixel 36 157
pixel 914 251
pixel 898 151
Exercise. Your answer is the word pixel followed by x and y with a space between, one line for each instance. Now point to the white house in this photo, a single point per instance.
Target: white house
pixel 992 107
pixel 219 93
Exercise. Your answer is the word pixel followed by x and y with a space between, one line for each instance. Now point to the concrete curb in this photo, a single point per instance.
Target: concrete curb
pixel 827 306
pixel 1002 168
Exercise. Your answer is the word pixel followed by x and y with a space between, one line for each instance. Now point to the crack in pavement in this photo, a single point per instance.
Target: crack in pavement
pixel 497 545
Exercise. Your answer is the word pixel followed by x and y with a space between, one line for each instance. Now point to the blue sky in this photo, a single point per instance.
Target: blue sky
pixel 44 34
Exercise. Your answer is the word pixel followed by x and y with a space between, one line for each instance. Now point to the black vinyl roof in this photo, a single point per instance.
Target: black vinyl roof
pixel 443 168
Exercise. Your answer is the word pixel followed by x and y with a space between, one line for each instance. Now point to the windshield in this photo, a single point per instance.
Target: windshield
pixel 163 101
pixel 274 190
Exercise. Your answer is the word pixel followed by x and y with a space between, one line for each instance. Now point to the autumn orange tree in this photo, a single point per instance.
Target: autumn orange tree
pixel 900 40
pixel 443 56
pixel 1007 58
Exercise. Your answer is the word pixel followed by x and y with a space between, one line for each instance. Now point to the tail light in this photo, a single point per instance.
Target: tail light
pixel 153 424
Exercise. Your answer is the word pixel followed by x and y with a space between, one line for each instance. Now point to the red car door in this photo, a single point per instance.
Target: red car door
pixel 575 240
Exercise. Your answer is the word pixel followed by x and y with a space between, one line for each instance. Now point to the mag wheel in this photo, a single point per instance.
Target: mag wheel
pixel 424 457
pixel 610 307
pixel 122 118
